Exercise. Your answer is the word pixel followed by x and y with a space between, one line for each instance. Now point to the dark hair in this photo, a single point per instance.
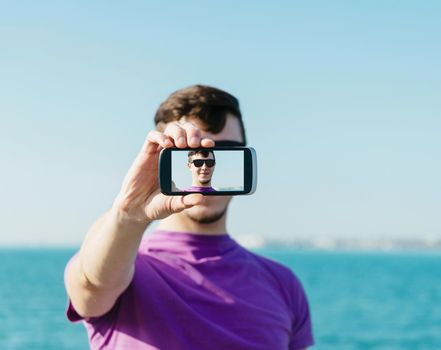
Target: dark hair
pixel 207 104
pixel 204 154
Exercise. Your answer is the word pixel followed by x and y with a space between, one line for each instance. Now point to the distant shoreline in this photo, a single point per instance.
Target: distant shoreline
pixel 344 244
pixel 320 243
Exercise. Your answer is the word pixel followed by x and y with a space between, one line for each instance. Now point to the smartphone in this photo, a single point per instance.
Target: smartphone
pixel 218 171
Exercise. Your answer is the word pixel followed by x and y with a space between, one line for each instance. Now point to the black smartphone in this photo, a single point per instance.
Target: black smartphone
pixel 218 171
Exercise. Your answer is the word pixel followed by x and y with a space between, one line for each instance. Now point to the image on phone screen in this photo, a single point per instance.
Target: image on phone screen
pixel 207 171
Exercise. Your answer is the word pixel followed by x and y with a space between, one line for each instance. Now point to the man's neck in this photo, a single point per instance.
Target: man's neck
pixel 181 223
pixel 198 184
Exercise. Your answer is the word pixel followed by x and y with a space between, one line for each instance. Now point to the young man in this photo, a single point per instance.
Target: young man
pixel 201 165
pixel 188 285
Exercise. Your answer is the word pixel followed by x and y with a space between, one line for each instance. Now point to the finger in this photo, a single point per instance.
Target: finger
pixel 206 142
pixel 151 147
pixel 193 134
pixel 159 138
pixel 177 135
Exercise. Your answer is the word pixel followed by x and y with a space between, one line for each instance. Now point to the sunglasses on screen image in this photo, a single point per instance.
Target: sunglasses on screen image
pixel 208 162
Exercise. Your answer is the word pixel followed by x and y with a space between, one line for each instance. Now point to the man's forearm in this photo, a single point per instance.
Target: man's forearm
pixel 108 252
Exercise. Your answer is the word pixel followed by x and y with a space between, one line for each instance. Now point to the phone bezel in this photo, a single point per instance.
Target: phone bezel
pixel 250 171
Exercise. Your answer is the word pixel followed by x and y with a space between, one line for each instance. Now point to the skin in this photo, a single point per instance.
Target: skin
pixel 201 176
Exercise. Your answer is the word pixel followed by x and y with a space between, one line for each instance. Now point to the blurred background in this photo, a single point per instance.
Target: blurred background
pixel 341 101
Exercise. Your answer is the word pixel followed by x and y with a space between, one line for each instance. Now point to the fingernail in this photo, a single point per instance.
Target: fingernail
pixel 208 140
pixel 194 140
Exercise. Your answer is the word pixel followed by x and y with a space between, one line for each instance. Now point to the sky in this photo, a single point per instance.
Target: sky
pixel 341 100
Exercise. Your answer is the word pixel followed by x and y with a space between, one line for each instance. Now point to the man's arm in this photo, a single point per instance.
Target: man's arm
pixel 104 267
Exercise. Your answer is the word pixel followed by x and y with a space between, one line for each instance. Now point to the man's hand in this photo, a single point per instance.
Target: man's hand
pixel 105 264
pixel 139 198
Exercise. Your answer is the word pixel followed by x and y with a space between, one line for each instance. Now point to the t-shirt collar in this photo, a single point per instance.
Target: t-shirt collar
pixel 189 245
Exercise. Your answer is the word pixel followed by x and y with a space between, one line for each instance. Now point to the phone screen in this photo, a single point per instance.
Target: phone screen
pixel 207 170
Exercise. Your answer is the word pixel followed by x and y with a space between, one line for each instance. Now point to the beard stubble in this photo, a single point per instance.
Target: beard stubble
pixel 207 219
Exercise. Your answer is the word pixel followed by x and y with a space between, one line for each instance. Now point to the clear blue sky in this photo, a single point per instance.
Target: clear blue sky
pixel 341 100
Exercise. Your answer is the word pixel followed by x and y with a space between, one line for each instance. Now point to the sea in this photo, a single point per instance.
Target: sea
pixel 358 299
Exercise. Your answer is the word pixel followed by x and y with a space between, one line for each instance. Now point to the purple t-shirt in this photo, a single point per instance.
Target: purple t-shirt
pixel 201 189
pixel 193 291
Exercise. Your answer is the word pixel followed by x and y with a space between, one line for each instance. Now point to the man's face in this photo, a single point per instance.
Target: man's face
pixel 201 175
pixel 214 207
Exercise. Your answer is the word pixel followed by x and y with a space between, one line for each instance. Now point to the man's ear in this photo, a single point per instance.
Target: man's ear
pixel 189 165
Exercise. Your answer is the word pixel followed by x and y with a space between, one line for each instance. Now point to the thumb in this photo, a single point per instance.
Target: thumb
pixel 180 203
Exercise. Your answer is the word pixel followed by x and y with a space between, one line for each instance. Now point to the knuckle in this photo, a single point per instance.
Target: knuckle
pixel 151 134
pixel 195 131
pixel 174 129
pixel 169 127
pixel 191 127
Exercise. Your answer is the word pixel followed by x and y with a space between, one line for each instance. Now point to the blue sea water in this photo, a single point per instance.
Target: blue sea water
pixel 360 301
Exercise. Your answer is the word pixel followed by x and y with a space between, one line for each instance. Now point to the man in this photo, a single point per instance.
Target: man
pixel 201 165
pixel 188 285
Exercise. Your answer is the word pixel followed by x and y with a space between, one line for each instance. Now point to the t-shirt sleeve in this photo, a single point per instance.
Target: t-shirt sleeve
pixel 72 314
pixel 301 332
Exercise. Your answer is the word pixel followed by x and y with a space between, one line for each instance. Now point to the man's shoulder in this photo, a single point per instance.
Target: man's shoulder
pixel 280 276
pixel 277 269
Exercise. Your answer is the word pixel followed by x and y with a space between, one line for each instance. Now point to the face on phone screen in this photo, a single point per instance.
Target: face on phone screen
pixel 207 171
